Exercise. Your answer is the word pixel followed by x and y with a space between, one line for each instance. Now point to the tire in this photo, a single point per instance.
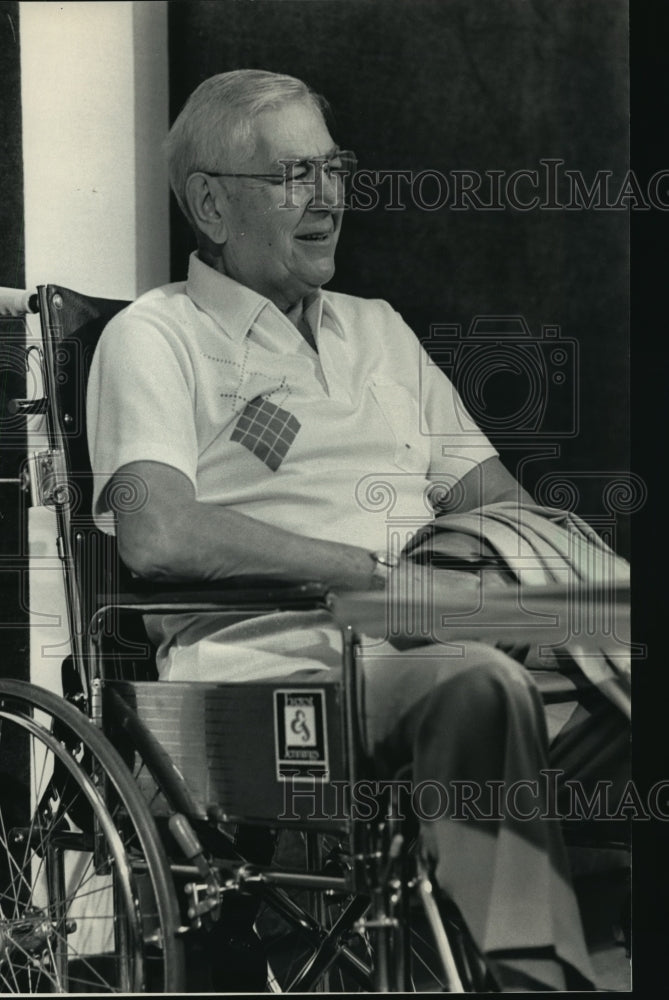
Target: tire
pixel 87 902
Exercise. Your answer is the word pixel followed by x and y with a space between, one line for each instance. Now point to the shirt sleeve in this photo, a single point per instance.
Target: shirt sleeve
pixel 140 405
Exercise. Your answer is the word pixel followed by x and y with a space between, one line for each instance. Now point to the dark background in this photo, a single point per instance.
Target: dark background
pixel 14 640
pixel 650 679
pixel 14 649
pixel 450 84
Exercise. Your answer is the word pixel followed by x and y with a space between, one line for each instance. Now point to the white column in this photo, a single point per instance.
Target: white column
pixel 95 111
pixel 94 89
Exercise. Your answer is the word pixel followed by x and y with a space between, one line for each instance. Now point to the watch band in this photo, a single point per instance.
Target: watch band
pixel 386 559
pixel 383 562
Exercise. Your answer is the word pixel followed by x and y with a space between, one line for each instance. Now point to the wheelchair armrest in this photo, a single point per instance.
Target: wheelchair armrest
pixel 237 594
pixel 243 596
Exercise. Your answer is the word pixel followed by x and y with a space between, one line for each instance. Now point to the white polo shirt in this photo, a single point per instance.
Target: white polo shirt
pixel 213 379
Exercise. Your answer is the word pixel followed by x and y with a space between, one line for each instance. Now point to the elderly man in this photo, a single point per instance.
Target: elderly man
pixel 252 404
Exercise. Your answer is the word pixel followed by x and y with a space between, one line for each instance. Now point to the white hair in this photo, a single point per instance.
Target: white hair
pixel 217 121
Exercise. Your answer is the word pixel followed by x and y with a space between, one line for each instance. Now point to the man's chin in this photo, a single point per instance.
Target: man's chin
pixel 319 274
pixel 306 281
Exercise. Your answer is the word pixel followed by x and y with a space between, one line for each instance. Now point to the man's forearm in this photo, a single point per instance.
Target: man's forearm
pixel 206 542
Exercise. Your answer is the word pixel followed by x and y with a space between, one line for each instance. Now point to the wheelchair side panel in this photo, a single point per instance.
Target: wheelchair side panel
pixel 256 752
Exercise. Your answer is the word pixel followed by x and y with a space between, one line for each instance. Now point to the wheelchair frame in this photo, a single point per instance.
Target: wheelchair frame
pixel 112 823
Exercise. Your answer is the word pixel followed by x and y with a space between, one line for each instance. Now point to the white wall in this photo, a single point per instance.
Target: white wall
pixel 94 87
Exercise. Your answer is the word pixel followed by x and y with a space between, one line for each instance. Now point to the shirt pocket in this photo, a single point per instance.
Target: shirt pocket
pixel 402 414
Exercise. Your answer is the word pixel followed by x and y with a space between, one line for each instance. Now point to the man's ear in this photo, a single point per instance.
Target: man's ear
pixel 206 202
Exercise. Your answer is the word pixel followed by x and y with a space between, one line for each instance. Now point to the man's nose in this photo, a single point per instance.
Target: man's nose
pixel 328 191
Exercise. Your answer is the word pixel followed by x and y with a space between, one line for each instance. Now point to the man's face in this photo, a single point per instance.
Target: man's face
pixel 280 242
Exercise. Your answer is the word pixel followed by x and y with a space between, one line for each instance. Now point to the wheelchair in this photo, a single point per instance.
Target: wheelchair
pixel 129 832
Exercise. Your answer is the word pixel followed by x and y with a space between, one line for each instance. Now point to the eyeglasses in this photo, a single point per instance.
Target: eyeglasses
pixel 308 171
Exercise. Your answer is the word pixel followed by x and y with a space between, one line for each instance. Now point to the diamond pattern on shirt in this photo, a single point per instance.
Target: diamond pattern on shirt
pixel 266 430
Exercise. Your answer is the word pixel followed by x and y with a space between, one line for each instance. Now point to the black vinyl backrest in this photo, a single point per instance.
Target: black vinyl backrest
pixel 75 323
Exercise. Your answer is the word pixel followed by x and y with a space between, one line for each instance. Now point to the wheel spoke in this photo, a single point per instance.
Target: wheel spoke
pixel 70 883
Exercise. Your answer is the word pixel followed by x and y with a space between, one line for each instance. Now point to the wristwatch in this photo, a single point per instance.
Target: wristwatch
pixel 384 562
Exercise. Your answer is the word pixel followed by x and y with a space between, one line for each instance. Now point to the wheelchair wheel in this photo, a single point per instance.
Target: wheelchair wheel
pixel 86 897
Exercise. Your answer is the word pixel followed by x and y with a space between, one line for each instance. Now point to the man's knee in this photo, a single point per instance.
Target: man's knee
pixel 494 671
pixel 494 685
pixel 475 724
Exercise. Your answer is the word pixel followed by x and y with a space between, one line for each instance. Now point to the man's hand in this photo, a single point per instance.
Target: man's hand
pixel 409 612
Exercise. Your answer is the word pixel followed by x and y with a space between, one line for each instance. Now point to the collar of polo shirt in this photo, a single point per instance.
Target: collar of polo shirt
pixel 234 307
